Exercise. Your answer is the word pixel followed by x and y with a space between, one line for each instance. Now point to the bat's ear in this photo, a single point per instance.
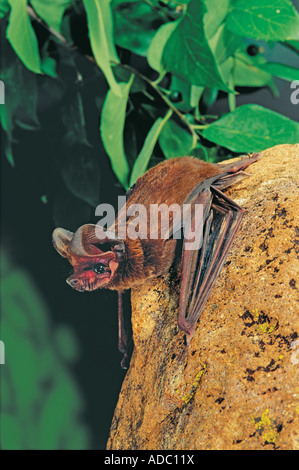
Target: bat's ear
pixel 61 240
pixel 88 240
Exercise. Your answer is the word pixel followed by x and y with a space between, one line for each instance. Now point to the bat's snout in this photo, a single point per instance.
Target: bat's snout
pixel 75 283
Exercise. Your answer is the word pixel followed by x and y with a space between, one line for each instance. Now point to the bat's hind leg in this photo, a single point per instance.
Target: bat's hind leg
pixel 122 333
pixel 221 218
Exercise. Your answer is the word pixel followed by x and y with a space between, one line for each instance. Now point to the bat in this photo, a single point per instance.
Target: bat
pixel 128 253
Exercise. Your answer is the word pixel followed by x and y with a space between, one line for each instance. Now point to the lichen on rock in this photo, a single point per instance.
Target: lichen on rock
pixel 237 385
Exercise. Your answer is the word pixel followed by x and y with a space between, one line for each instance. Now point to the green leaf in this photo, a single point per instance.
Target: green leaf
pixel 81 174
pixel 264 19
pixel 216 13
pixel 49 66
pixel 72 114
pixel 4 8
pixel 280 70
pixel 187 53
pixel 183 87
pixel 22 36
pixel 252 128
pixel 195 95
pixel 224 43
pixel 293 45
pixel 156 48
pixel 11 432
pixel 112 129
pixel 51 11
pixel 247 71
pixel 100 27
pixel 145 154
pixel 52 427
pixel 20 108
pixel 215 154
pixel 135 24
pixel 123 75
pixel 175 141
pixel 200 152
pixel 66 344
pixel 8 150
pixel 48 54
pixel 209 96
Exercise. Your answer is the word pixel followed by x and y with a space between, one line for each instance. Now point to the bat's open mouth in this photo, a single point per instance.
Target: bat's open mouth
pixel 93 273
pixel 93 252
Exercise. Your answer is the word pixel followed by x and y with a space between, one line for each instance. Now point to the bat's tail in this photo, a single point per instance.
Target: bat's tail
pixel 234 172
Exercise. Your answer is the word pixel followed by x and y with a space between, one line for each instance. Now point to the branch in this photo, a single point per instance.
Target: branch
pixel 52 31
pixel 161 94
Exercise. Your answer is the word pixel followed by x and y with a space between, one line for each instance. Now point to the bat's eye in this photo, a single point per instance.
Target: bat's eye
pixel 99 268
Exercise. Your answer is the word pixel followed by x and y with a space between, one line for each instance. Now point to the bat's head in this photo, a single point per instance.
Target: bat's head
pixel 94 253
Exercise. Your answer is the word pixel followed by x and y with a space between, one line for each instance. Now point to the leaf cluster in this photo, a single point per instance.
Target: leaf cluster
pixel 165 63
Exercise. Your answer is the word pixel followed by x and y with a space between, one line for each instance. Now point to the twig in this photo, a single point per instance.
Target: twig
pixel 55 33
pixel 160 93
pixel 70 46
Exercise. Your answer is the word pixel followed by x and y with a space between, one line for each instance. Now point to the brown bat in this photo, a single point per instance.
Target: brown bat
pixel 101 258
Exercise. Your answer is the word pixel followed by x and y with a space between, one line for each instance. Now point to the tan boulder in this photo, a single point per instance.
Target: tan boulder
pixel 237 385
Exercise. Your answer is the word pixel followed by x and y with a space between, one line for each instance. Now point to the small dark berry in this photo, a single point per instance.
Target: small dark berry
pixel 252 50
pixel 189 118
pixel 175 96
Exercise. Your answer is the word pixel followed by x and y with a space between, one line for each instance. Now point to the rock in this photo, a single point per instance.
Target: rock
pixel 237 385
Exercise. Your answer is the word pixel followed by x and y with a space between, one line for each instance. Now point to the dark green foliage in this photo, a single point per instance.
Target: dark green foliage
pixel 197 47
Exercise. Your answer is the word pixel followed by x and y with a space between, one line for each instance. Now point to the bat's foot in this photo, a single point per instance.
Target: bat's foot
pixel 255 156
pixel 244 162
pixel 187 329
pixel 124 362
pixel 189 337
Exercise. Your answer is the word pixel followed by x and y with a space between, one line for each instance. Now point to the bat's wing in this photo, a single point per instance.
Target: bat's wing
pixel 218 224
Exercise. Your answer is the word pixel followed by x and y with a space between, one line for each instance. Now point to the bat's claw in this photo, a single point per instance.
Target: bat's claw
pixel 189 337
pixel 187 329
pixel 124 362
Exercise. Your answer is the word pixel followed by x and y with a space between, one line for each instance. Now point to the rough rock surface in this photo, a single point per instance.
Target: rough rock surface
pixel 237 385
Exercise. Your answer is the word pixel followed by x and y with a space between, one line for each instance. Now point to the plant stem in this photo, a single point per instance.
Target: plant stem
pixel 52 31
pixel 200 126
pixel 161 94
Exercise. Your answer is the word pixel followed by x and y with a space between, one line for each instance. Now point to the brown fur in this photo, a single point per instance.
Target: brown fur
pixel 170 182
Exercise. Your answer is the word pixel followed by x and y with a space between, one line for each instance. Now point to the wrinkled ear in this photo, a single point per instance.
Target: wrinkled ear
pixel 61 241
pixel 87 241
